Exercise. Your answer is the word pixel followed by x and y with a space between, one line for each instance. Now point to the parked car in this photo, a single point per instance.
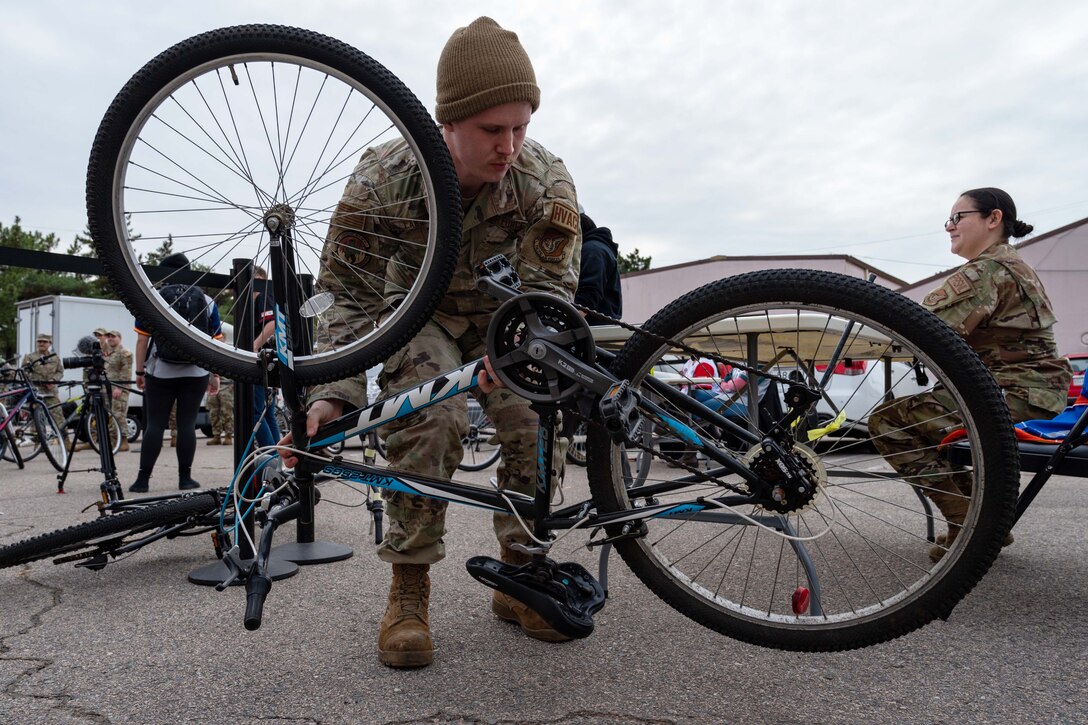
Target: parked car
pixel 1079 363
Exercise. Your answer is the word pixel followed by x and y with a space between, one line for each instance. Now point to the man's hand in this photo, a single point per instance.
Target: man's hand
pixel 487 379
pixel 213 384
pixel 116 393
pixel 318 413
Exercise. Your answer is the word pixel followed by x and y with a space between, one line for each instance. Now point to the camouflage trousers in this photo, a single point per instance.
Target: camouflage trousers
pixel 429 442
pixel 119 408
pixel 907 432
pixel 221 411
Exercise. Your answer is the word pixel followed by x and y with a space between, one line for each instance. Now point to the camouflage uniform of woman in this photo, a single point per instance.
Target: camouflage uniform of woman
pixel 519 201
pixel 998 304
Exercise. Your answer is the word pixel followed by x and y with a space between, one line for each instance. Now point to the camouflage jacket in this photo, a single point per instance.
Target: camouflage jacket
pixel 998 304
pixel 50 371
pixel 530 217
pixel 119 365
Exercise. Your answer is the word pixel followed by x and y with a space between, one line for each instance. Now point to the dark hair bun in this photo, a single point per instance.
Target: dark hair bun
pixel 1021 229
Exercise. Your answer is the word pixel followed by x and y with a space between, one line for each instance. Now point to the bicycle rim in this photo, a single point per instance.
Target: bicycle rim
pixel 865 574
pixel 91 432
pixel 53 443
pixel 220 130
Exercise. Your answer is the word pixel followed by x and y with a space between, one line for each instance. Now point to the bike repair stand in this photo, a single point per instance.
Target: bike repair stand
pixel 279 567
pixel 300 341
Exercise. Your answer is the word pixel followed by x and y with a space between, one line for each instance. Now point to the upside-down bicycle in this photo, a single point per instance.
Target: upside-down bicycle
pixel 237 144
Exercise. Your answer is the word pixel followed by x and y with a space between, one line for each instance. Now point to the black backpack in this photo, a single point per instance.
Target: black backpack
pixel 189 302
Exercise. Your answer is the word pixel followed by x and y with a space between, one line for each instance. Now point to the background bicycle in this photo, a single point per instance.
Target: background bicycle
pixel 30 426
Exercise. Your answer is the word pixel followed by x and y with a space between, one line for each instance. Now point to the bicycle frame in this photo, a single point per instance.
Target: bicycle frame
pixel 461 381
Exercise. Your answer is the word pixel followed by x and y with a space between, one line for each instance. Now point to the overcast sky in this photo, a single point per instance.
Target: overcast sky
pixel 691 129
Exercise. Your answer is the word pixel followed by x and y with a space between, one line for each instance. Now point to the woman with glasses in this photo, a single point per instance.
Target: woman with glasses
pixel 998 304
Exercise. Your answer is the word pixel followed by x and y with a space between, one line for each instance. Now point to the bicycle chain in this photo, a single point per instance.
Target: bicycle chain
pixel 690 350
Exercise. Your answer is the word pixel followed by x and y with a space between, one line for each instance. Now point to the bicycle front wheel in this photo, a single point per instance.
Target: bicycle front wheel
pixel 106 534
pixel 9 447
pixel 226 131
pixel 832 549
pixel 52 442
pixel 24 435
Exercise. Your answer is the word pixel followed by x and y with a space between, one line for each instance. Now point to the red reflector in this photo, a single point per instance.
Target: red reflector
pixel 800 600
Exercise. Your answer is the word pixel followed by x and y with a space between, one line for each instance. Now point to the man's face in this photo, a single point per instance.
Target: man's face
pixel 484 146
pixel 112 340
pixel 43 346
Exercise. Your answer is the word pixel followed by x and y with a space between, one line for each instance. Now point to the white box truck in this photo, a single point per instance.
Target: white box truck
pixel 68 319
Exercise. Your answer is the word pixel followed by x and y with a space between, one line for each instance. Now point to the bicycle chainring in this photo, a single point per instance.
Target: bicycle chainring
pixel 513 338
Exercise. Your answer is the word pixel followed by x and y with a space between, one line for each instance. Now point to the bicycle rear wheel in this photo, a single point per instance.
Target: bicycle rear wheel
pixel 864 572
pixel 223 131
pixel 481 446
pixel 106 534
pixel 52 442
pixel 90 431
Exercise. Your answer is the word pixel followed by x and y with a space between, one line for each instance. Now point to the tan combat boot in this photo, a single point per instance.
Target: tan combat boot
pixel 173 441
pixel 954 508
pixel 124 445
pixel 511 610
pixel 228 440
pixel 214 441
pixel 404 639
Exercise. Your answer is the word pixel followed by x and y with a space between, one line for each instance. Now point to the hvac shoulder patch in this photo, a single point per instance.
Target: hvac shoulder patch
pixel 565 217
pixel 959 283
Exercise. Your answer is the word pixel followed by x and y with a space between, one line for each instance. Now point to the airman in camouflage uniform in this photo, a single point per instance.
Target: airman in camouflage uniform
pixel 221 412
pixel 526 211
pixel 119 369
pixel 998 304
pixel 46 375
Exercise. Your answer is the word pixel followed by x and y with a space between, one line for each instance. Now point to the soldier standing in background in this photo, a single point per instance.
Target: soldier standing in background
pixel 119 370
pixel 998 304
pixel 519 201
pixel 221 412
pixel 46 375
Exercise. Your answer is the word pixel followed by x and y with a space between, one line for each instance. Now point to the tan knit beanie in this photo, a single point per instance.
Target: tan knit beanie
pixel 483 66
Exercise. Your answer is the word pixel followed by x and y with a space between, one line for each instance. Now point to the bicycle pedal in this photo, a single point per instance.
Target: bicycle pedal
pixel 565 595
pixel 95 563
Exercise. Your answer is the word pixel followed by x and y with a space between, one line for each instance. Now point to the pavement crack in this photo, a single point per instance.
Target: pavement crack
pixel 581 717
pixel 59 702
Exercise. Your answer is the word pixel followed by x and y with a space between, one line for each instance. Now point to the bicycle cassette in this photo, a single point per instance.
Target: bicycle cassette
pixel 516 346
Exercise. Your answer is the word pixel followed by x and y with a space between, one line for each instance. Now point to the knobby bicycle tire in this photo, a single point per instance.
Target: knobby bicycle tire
pixel 88 534
pixel 264 58
pixel 870 574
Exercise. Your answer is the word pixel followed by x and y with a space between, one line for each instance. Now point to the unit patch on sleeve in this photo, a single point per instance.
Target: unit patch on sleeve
pixel 551 246
pixel 935 297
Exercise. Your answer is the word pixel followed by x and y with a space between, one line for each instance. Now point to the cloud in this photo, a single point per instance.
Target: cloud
pixel 692 129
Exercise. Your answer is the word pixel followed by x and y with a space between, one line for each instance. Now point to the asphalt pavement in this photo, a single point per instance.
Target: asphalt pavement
pixel 137 643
